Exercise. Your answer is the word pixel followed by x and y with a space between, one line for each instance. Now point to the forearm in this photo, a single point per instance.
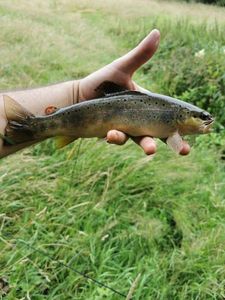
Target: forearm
pixel 36 100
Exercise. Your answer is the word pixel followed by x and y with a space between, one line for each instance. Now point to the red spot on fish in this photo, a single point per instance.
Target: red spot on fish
pixel 50 110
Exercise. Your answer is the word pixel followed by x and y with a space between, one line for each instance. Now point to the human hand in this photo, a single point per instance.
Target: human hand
pixel 120 72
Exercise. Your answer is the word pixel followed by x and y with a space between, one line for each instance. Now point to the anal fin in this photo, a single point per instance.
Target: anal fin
pixel 62 141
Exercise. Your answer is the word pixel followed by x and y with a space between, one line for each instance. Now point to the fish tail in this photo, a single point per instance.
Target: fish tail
pixel 18 129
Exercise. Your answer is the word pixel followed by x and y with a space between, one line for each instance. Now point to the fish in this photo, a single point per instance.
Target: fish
pixel 132 112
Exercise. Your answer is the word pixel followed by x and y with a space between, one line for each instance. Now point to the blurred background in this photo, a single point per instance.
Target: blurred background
pixel 105 210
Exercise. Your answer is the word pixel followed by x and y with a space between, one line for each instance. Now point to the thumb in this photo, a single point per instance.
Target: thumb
pixel 131 61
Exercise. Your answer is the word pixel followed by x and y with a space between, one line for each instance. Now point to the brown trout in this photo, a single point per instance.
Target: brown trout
pixel 132 112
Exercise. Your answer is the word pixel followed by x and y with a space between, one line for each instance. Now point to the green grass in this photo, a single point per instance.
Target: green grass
pixel 109 211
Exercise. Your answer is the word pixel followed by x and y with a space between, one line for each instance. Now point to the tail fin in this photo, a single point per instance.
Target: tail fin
pixel 18 128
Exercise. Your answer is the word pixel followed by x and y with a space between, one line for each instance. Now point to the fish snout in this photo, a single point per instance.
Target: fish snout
pixel 206 118
pixel 207 123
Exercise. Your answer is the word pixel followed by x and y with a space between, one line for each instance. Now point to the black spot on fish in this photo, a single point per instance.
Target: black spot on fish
pixel 42 127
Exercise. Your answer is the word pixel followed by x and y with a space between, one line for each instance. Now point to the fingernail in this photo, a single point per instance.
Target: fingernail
pixel 155 30
pixel 156 33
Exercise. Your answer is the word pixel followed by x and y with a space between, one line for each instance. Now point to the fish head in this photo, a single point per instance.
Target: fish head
pixel 195 121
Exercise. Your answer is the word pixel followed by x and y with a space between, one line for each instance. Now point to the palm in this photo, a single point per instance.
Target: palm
pixel 121 70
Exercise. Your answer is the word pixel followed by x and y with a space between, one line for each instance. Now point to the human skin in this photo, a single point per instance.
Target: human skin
pixel 67 93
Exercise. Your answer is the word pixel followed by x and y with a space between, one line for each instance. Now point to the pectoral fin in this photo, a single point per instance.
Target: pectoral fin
pixel 62 141
pixel 175 142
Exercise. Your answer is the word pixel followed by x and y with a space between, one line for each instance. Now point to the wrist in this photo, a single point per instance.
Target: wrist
pixel 75 91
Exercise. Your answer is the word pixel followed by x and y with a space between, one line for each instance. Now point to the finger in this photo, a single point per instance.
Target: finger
pixel 186 149
pixel 147 144
pixel 131 61
pixel 116 137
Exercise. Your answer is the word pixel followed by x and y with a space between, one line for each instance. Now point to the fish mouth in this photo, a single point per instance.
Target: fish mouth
pixel 207 124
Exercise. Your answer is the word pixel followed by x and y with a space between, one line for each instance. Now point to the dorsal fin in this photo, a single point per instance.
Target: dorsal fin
pixel 126 93
pixel 109 87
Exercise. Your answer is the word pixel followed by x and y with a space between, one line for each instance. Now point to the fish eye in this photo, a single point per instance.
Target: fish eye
pixel 205 116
